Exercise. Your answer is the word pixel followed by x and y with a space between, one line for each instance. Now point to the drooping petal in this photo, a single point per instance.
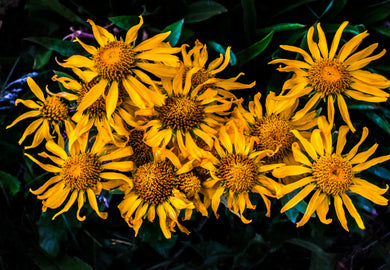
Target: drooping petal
pixel 336 40
pixel 299 197
pixel 338 206
pixel 352 210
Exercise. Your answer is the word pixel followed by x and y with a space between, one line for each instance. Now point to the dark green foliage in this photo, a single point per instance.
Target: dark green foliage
pixel 34 33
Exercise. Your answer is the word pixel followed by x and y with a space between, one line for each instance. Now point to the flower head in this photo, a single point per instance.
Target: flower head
pixel 79 174
pixel 154 192
pixel 237 171
pixel 51 111
pixel 121 63
pixel 331 75
pixel 330 175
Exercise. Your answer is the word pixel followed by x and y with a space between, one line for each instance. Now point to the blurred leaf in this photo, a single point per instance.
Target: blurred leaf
pixel 337 6
pixel 64 47
pixel 63 11
pixel 125 22
pixel 249 17
pixel 46 262
pixel 151 233
pixel 383 29
pixel 41 57
pixel 380 121
pixel 291 7
pixel 254 50
pixel 51 233
pixel 320 260
pixel 281 27
pixel 203 10
pixel 9 183
pixel 218 48
pixel 380 172
pixel 175 29
pixel 186 33
pixel 377 13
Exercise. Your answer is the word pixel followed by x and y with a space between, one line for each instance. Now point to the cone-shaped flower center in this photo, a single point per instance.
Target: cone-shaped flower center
pixel 329 76
pixel 333 174
pixel 181 112
pixel 273 132
pixel 189 183
pixel 154 181
pixel 114 60
pixel 81 171
pixel 54 109
pixel 238 173
pixel 141 151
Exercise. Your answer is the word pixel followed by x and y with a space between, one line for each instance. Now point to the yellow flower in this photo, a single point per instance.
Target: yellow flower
pixel 330 174
pixel 81 173
pixel 51 111
pixel 95 115
pixel 197 57
pixel 325 74
pixel 154 192
pixel 272 129
pixel 122 63
pixel 185 116
pixel 237 171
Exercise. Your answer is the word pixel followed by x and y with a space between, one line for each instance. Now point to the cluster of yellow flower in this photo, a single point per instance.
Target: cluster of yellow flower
pixel 155 122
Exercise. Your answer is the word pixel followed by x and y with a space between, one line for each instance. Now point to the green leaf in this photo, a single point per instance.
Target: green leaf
pixel 220 49
pixel 203 10
pixel 291 7
pixel 9 184
pixel 151 233
pixel 281 27
pixel 64 47
pixel 254 50
pixel 379 13
pixel 300 207
pixel 63 11
pixel 380 172
pixel 320 260
pixel 51 233
pixel 125 22
pixel 41 57
pixel 175 29
pixel 380 121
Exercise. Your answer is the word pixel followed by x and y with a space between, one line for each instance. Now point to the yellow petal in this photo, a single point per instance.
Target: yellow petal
pixel 369 194
pixel 338 206
pixel 322 43
pixel 92 95
pixel 290 171
pixel 316 142
pixel 80 203
pixel 336 40
pixel 299 156
pixel 312 45
pixel 70 202
pixel 351 46
pixel 102 36
pixel 352 210
pixel 28 114
pixel 311 207
pixel 302 52
pixel 112 99
pixel 364 62
pixel 92 201
pixel 46 167
pixel 299 197
pixel 341 139
pixel 363 166
pixel 122 166
pixel 354 150
pixel 163 223
pixel 132 34
pixel 90 49
pixel 344 112
pixel 35 89
pixel 295 185
pixel 323 209
pixel 56 149
pixel 363 156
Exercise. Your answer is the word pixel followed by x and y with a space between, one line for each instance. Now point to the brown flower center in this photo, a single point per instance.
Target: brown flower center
pixel 115 60
pixel 333 174
pixel 181 112
pixel 329 76
pixel 189 183
pixel 238 173
pixel 81 171
pixel 273 132
pixel 154 181
pixel 141 152
pixel 54 109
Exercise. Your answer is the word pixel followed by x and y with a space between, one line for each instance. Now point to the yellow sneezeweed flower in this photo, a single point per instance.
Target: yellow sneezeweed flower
pixel 330 174
pixel 81 173
pixel 272 129
pixel 237 170
pixel 118 63
pixel 95 115
pixel 51 112
pixel 154 192
pixel 325 74
pixel 197 57
pixel 185 116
